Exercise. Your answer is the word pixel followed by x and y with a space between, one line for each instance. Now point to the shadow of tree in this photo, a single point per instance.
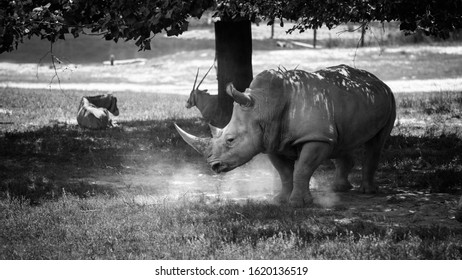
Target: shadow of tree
pixel 44 163
pixel 431 163
pixel 52 160
pixel 243 223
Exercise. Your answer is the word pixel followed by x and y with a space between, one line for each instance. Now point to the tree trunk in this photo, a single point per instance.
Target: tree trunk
pixel 314 38
pixel 233 45
pixel 363 34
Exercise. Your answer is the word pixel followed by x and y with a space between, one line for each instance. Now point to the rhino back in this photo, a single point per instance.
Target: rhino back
pixel 340 105
pixel 363 105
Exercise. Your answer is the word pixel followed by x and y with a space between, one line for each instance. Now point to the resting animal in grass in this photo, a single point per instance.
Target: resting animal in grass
pixel 94 111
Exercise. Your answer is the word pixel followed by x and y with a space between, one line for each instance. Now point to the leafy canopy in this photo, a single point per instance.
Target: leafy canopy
pixel 140 20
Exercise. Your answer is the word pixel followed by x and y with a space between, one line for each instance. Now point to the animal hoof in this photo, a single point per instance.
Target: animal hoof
pixel 281 199
pixel 300 203
pixel 367 189
pixel 296 203
pixel 459 215
pixel 342 187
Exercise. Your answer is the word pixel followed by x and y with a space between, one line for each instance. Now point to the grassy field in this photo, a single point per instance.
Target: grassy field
pixel 139 192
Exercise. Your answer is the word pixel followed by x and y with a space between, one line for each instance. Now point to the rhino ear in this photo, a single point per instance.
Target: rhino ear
pixel 216 132
pixel 241 98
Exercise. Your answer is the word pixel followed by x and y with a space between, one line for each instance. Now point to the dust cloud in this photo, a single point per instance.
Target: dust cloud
pixel 323 195
pixel 161 181
pixel 256 181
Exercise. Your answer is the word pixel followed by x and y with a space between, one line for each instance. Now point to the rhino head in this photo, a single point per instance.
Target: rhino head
pixel 235 144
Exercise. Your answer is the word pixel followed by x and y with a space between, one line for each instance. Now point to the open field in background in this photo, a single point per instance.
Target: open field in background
pixel 171 65
pixel 409 71
pixel 418 69
pixel 139 192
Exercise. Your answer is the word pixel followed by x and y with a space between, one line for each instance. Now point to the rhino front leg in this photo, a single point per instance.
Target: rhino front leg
pixel 312 154
pixel 285 168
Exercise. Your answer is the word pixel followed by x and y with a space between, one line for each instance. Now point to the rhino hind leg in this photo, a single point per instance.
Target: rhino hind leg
pixel 343 166
pixel 373 149
pixel 285 169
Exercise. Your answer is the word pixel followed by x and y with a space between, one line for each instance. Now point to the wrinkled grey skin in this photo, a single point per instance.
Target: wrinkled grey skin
pixel 301 119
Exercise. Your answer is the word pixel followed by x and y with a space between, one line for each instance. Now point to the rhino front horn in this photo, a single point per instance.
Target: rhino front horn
pixel 199 144
pixel 240 97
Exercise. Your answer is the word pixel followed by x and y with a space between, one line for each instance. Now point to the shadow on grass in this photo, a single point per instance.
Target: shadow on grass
pixel 52 160
pixel 428 163
pixel 254 223
pixel 44 163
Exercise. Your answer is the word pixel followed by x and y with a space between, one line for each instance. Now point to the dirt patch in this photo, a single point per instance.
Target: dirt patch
pixel 257 181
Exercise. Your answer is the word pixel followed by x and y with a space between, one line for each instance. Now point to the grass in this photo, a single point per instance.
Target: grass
pixel 123 193
pixel 434 103
pixel 106 228
pixel 37 108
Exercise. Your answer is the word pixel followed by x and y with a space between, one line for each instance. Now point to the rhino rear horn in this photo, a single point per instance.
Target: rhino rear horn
pixel 216 132
pixel 240 97
pixel 201 145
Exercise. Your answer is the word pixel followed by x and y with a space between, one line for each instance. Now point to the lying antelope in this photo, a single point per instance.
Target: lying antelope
pixel 94 111
pixel 206 103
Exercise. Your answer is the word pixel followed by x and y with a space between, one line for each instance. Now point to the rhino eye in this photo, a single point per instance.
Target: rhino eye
pixel 229 140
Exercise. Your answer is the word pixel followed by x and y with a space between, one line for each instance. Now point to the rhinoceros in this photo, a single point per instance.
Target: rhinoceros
pixel 300 119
